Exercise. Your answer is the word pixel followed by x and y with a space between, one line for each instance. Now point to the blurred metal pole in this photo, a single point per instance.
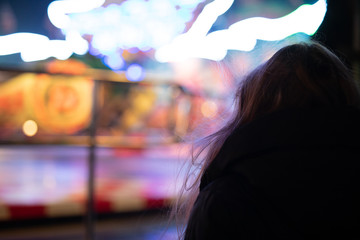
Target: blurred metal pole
pixel 90 207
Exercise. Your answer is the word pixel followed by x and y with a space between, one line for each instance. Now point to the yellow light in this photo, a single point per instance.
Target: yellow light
pixel 30 128
pixel 209 109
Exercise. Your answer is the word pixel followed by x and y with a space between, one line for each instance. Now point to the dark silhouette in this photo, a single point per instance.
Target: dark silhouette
pixel 287 164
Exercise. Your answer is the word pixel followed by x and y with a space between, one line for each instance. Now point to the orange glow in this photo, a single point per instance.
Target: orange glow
pixel 30 128
pixel 11 102
pixel 209 109
pixel 70 66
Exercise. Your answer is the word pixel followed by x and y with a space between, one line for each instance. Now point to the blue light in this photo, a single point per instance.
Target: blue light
pixel 114 61
pixel 135 73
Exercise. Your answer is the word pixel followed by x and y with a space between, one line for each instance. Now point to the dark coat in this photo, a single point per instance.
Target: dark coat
pixel 293 174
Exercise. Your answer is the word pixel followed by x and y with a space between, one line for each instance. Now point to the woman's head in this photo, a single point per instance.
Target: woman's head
pixel 304 75
pixel 300 75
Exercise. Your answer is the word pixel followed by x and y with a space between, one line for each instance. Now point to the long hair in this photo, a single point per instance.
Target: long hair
pixel 303 75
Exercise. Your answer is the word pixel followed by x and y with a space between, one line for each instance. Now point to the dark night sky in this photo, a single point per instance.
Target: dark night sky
pixel 30 15
pixel 337 29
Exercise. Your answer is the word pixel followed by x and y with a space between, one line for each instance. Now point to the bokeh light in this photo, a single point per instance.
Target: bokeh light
pixel 209 109
pixel 135 73
pixel 30 128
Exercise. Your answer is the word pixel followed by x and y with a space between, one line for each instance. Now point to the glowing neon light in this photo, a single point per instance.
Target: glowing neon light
pixel 154 24
pixel 242 35
pixel 58 10
pixel 132 24
pixel 35 47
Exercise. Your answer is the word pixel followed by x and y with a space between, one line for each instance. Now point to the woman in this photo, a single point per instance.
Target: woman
pixel 287 165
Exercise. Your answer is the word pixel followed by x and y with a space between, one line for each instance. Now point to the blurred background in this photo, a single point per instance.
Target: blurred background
pixel 99 99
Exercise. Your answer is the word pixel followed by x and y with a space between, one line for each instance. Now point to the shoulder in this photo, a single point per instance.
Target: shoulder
pixel 223 210
pixel 222 195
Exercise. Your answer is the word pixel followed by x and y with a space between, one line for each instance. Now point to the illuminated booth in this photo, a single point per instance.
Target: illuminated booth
pixel 53 108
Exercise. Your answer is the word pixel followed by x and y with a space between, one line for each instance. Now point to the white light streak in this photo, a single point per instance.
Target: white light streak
pixel 208 16
pixel 36 47
pixel 78 45
pixel 155 24
pixel 242 35
pixel 58 10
